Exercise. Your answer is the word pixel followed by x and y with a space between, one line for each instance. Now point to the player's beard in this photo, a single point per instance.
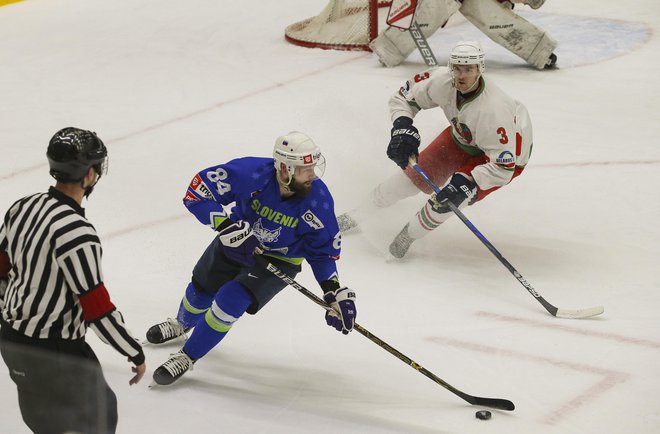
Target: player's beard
pixel 299 188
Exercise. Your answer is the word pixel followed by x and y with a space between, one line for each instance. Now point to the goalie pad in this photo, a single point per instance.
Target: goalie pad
pixel 510 30
pixel 401 13
pixel 393 45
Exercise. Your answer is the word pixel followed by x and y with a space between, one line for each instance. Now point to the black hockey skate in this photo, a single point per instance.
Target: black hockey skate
pixel 402 242
pixel 170 371
pixel 165 331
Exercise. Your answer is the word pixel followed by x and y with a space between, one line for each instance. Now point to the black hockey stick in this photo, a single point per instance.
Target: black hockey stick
pixel 500 404
pixel 560 313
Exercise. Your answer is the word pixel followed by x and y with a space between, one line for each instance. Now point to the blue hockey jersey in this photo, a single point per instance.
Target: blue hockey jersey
pixel 293 229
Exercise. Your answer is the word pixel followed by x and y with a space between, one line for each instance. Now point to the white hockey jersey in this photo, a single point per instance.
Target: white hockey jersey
pixel 490 121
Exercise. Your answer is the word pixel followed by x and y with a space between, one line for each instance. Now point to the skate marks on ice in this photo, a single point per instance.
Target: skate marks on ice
pixel 583 392
pixel 582 40
pixel 588 375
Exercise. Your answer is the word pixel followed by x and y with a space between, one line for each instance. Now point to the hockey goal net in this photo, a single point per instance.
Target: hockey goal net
pixel 342 25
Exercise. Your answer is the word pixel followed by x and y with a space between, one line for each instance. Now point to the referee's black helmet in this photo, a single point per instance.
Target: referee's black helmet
pixel 72 151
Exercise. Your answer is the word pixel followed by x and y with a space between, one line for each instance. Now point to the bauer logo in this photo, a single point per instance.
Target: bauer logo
pixel 506 158
pixel 237 238
pixel 312 220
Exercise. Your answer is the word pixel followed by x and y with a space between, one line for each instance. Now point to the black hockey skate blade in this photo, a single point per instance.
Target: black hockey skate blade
pixel 483 414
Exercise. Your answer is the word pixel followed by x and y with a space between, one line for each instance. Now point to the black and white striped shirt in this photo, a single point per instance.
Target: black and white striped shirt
pixel 56 282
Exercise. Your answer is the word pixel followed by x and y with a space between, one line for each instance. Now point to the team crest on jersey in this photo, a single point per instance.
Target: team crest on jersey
pixel 506 159
pixel 312 220
pixel 263 234
pixel 462 130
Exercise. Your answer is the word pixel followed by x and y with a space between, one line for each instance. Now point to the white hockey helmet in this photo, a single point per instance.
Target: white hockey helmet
pixel 467 53
pixel 297 149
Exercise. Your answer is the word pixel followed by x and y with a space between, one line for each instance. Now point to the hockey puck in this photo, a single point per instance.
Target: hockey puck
pixel 483 414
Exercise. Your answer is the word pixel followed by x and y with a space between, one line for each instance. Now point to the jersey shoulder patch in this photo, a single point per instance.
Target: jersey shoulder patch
pixel 314 222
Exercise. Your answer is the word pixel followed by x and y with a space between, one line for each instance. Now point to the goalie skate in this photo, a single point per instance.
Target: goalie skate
pixel 165 331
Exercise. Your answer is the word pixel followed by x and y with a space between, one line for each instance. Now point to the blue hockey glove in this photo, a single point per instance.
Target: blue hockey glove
pixel 459 189
pixel 239 243
pixel 404 142
pixel 343 313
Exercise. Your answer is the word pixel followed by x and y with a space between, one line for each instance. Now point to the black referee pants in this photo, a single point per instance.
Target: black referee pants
pixel 60 384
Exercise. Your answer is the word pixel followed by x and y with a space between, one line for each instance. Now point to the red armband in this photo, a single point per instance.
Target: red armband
pixel 96 303
pixel 5 265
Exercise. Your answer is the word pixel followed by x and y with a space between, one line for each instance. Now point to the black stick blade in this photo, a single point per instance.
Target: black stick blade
pixel 496 403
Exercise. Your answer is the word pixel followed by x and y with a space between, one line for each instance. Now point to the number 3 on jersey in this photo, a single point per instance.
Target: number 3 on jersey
pixel 503 137
pixel 420 77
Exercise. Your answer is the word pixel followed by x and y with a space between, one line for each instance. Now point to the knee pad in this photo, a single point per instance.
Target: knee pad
pixel 233 298
pixel 193 304
pixel 231 301
pixel 196 301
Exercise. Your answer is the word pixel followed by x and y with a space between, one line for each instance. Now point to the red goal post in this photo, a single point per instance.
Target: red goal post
pixel 342 25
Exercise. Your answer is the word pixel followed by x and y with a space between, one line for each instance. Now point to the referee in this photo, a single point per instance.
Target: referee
pixel 51 290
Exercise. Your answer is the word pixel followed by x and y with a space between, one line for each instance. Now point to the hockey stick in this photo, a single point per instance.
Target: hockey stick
pixel 500 404
pixel 422 44
pixel 560 313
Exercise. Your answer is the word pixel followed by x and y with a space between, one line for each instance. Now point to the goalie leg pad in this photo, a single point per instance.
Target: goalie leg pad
pixel 393 45
pixel 540 57
pixel 511 31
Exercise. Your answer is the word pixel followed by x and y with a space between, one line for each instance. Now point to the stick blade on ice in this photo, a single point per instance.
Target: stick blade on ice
pixel 579 313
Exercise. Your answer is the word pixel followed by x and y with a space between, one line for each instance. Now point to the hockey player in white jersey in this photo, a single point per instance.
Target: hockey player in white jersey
pixel 495 18
pixel 486 145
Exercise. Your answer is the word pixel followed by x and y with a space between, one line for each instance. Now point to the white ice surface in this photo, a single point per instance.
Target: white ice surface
pixel 174 86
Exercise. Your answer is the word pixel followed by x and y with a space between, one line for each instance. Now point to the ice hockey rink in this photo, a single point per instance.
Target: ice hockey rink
pixel 173 87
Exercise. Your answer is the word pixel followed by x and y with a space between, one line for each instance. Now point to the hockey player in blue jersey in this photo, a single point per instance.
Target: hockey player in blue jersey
pixel 279 207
